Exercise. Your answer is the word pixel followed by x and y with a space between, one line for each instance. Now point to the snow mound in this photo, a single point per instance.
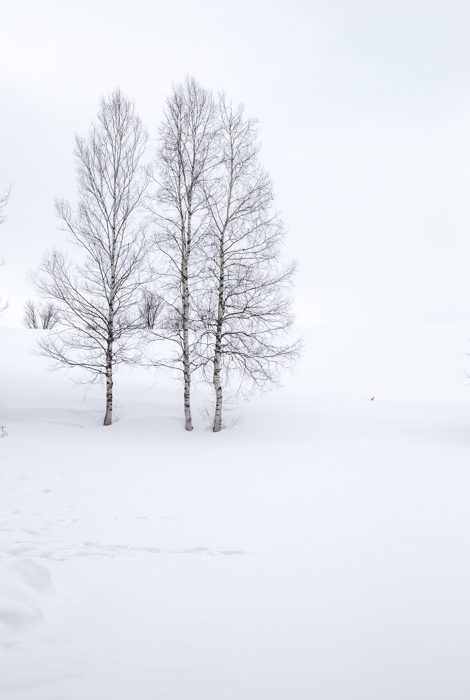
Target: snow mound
pixel 23 585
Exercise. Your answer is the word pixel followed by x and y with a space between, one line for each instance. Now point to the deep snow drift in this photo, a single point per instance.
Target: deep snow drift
pixel 317 549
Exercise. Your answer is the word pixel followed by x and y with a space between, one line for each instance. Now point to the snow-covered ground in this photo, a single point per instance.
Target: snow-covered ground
pixel 317 550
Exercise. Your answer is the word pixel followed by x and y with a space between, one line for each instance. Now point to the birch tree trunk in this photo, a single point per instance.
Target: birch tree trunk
pixel 218 340
pixel 108 418
pixel 186 248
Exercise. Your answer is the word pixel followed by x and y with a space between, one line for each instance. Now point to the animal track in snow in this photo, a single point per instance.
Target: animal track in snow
pixel 33 523
pixel 64 551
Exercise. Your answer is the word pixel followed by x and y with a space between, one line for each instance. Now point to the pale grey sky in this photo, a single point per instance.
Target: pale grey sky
pixel 364 111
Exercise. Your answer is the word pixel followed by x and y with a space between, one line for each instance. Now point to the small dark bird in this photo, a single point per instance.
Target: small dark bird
pixel 372 398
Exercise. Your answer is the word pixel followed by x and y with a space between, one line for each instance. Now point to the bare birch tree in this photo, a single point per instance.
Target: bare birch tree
pixel 45 316
pixel 30 315
pixel 150 309
pixel 98 297
pixel 3 202
pixel 183 163
pixel 245 308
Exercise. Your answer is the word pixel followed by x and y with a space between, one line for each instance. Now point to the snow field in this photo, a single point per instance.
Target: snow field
pixel 318 549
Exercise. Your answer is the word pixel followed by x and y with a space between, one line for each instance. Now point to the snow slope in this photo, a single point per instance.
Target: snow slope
pixel 318 549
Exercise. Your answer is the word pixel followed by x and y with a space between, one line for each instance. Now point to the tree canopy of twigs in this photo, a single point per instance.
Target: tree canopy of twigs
pixel 98 297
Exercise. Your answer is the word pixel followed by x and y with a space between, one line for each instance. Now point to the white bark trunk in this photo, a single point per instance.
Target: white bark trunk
pixel 188 425
pixel 218 340
pixel 218 391
pixel 108 418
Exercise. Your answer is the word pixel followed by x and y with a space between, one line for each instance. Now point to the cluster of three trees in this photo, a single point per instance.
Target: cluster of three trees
pixel 192 236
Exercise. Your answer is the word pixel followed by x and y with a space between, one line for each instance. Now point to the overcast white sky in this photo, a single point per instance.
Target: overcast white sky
pixel 365 118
